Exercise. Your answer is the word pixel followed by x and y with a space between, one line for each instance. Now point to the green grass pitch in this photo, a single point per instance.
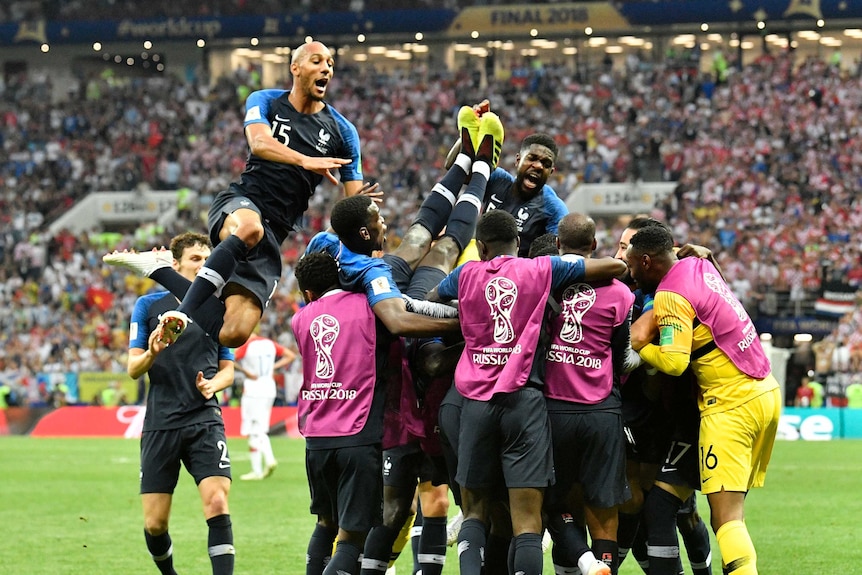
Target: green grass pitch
pixel 71 506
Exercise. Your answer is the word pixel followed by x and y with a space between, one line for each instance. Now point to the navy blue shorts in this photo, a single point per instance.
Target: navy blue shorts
pixel 260 271
pixel 201 447
pixel 345 486
pixel 506 438
pixel 589 449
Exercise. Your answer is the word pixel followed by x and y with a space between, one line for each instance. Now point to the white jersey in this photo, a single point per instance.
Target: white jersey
pixel 257 357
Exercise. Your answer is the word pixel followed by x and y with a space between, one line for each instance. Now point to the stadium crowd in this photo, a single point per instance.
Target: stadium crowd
pixel 28 10
pixel 768 164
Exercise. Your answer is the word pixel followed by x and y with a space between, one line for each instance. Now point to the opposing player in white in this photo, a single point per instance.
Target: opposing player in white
pixel 257 359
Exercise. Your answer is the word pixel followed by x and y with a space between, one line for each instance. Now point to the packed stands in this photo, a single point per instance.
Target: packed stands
pixel 768 165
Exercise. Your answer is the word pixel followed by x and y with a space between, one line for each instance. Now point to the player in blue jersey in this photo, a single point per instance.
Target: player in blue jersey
pixel 295 140
pixel 534 204
pixel 183 422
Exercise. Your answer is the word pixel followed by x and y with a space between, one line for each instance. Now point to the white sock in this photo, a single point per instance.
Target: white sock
pixel 586 562
pixel 266 448
pixel 256 461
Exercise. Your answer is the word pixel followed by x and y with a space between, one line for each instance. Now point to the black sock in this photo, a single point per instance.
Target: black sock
pixel 607 552
pixel 566 534
pixel 214 274
pixel 432 546
pixel 697 544
pixel 162 551
pixel 660 510
pixel 319 550
pixel 639 545
pixel 497 553
pixel 378 548
pixel 561 561
pixel 528 554
pixel 416 534
pixel 437 205
pixel 345 558
pixel 627 528
pixel 471 545
pixel 220 544
pixel 171 280
pixel 462 223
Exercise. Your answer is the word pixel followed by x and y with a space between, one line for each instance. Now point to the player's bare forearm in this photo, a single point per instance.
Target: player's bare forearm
pixel 603 268
pixel 221 380
pixel 643 330
pixel 141 360
pixel 262 144
pixel 394 315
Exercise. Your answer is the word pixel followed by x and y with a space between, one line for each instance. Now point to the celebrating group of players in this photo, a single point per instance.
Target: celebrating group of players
pixel 518 382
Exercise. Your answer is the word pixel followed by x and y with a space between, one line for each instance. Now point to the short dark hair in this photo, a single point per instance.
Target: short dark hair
pixel 544 245
pixel 642 222
pixel 316 272
pixel 653 240
pixel 348 216
pixel 577 232
pixel 541 139
pixel 496 226
pixel 182 242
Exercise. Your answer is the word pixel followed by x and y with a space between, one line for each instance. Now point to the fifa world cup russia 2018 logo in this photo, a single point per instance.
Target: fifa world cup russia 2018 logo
pixel 324 331
pixel 501 294
pixel 577 300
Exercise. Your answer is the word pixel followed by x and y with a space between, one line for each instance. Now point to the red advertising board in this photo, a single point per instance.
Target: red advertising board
pixel 128 420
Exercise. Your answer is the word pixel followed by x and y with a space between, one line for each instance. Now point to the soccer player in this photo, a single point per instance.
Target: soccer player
pixel 662 423
pixel 589 350
pixel 700 322
pixel 258 359
pixel 527 196
pixel 183 422
pixel 295 139
pixel 535 206
pixel 504 432
pixel 344 353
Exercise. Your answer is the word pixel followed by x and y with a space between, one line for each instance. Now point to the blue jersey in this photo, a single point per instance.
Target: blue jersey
pixel 281 191
pixel 564 270
pixel 173 399
pixel 357 272
pixel 537 216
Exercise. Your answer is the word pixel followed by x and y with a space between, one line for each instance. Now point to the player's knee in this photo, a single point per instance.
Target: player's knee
pixel 687 522
pixel 396 507
pixel 233 334
pixel 447 249
pixel 435 505
pixel 250 231
pixel 216 504
pixel 155 525
pixel 635 503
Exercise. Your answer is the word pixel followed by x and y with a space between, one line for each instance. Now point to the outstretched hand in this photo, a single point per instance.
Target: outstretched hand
pixel 323 166
pixel 372 190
